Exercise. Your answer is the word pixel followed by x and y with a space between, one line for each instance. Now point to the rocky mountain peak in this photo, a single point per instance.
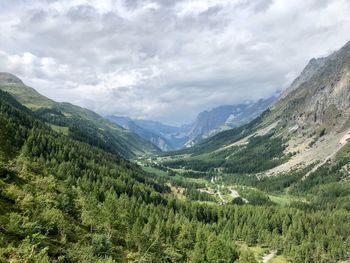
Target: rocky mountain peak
pixel 321 94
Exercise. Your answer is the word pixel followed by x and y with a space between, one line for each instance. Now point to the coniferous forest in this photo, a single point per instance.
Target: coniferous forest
pixel 188 131
pixel 64 200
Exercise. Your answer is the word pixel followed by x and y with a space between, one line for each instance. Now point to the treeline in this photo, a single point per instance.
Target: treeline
pixel 62 200
pixel 273 184
pixel 260 154
pixel 84 131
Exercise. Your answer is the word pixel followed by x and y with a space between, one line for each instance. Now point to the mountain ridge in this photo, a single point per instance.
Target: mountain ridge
pixel 74 120
pixel 310 119
pixel 206 124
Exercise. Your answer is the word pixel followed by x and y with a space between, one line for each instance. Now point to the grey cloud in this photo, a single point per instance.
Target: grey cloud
pixel 162 59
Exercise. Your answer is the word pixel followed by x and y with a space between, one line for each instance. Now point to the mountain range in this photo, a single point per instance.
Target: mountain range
pixel 274 188
pixel 206 124
pixel 307 126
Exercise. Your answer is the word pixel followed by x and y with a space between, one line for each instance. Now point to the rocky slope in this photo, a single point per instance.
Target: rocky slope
pixel 155 133
pixel 206 124
pixel 311 119
pixel 223 118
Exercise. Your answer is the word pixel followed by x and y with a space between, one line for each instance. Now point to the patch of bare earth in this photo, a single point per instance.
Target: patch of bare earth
pixel 320 152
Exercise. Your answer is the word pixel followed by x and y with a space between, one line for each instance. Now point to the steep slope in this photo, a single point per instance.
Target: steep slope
pixel 175 135
pixel 165 137
pixel 209 121
pixel 227 117
pixel 62 200
pixel 308 72
pixel 309 124
pixel 148 134
pixel 206 124
pixel 79 123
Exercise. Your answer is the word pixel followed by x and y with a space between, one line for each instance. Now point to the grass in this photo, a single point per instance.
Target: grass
pixel 162 173
pixel 278 259
pixel 281 200
pixel 27 96
pixel 63 130
pixel 257 251
pixel 155 171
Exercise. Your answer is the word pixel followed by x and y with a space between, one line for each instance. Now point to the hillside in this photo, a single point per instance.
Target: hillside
pixel 206 124
pixel 309 124
pixel 153 132
pixel 223 118
pixel 79 123
pixel 63 200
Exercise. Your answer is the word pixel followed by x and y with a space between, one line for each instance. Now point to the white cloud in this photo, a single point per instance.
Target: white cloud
pixel 164 59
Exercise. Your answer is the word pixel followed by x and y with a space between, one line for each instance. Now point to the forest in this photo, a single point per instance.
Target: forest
pixel 67 200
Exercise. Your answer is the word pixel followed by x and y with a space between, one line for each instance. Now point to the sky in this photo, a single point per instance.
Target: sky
pixel 165 60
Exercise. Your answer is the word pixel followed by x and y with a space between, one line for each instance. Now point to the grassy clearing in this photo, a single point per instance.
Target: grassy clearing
pixel 162 173
pixel 63 130
pixel 278 259
pixel 257 251
pixel 155 171
pixel 281 200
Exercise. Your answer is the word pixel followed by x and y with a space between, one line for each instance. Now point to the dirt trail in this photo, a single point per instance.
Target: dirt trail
pixel 220 196
pixel 269 256
pixel 234 193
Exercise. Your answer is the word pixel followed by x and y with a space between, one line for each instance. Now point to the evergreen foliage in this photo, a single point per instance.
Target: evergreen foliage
pixel 63 200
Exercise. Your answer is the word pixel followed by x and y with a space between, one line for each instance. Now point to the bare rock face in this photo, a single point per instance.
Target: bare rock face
pixel 308 72
pixel 7 78
pixel 321 95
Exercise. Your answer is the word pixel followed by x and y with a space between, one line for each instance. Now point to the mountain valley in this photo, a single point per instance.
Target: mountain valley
pixel 206 124
pixel 75 187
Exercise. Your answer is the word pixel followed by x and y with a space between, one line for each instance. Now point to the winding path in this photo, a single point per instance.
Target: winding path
pixel 220 196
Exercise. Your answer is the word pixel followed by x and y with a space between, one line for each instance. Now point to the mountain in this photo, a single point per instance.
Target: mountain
pixel 308 72
pixel 151 131
pixel 206 124
pixel 79 123
pixel 222 118
pixel 306 127
pixel 64 200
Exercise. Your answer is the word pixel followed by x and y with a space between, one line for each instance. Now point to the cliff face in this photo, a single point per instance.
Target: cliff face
pixel 323 93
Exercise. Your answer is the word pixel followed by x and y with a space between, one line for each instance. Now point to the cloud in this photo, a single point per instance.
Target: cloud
pixel 162 59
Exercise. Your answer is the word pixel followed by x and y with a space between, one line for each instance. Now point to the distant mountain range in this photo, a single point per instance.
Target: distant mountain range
pixel 165 137
pixel 206 124
pixel 308 126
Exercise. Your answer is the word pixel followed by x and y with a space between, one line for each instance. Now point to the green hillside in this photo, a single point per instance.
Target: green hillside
pixel 241 150
pixel 82 124
pixel 62 200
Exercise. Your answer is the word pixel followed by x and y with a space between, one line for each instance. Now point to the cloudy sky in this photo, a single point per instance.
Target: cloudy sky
pixel 164 59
